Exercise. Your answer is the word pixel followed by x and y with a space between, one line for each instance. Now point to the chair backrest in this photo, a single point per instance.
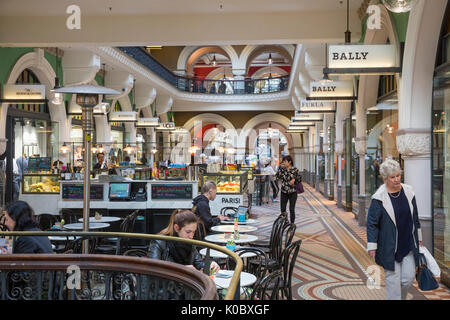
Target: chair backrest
pixel 256 265
pixel 268 288
pixel 276 225
pixel 135 253
pixel 127 224
pixel 289 233
pixel 289 257
pixel 75 246
pixel 46 221
pixel 276 246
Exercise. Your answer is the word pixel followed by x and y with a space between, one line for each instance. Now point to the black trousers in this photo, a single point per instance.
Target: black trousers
pixel 275 188
pixel 292 198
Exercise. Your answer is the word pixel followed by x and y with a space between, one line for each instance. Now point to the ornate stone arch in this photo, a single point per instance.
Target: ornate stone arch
pixel 36 62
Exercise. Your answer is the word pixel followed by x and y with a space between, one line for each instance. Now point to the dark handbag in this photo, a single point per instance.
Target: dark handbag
pixel 424 276
pixel 299 188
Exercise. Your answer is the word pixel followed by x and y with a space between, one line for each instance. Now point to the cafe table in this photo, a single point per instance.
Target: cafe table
pixel 102 219
pixel 224 238
pixel 230 228
pixel 92 226
pixel 223 279
pixel 248 221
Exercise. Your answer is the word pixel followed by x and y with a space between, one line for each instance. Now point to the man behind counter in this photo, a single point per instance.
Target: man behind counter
pixel 101 163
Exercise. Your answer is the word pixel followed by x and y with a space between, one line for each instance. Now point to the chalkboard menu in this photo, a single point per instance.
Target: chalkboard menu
pixel 74 191
pixel 39 164
pixel 171 191
pixel 33 164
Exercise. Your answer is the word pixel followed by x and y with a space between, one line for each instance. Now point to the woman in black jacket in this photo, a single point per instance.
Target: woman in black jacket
pixel 183 224
pixel 289 176
pixel 19 216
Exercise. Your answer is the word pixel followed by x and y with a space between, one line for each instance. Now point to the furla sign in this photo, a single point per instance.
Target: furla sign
pixel 360 59
pixel 315 106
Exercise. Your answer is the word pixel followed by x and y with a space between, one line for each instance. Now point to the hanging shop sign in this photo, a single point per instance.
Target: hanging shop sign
pixel 362 59
pixel 316 106
pixel 148 122
pixel 166 126
pixel 301 123
pixel 331 91
pixel 302 116
pixel 296 130
pixel 298 127
pixel 122 116
pixel 16 93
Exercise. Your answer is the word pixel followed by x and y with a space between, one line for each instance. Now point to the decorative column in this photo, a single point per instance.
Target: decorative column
pixel 361 147
pixel 331 162
pixel 342 112
pixel 348 164
pixel 325 149
pixel 318 127
pixel 312 171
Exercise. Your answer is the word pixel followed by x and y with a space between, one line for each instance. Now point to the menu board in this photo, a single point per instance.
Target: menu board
pixel 74 191
pixel 39 164
pixel 33 164
pixel 172 191
pixel 45 163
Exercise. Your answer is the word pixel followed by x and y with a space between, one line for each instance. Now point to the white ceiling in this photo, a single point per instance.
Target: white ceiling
pixel 114 7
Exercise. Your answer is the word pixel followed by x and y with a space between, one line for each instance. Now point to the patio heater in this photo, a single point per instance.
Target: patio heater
pixel 87 98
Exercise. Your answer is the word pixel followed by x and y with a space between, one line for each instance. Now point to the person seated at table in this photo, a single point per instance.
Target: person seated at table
pixel 203 211
pixel 101 163
pixel 183 224
pixel 19 216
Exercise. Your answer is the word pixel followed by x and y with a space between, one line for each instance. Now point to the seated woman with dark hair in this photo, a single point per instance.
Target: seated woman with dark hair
pixel 19 216
pixel 183 224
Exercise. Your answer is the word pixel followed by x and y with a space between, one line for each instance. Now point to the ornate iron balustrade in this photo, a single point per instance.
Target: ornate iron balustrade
pixel 105 277
pixel 199 85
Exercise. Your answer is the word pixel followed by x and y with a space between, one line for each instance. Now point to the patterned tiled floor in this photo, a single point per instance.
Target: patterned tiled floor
pixel 333 263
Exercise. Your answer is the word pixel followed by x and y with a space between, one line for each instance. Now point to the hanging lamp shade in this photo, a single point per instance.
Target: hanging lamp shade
pixel 64 148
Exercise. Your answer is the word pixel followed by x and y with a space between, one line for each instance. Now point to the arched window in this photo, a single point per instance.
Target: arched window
pixel 28 77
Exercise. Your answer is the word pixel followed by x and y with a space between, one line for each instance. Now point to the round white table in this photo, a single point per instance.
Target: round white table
pixel 92 226
pixel 246 279
pixel 219 254
pixel 62 238
pixel 230 228
pixel 220 238
pixel 248 221
pixel 102 219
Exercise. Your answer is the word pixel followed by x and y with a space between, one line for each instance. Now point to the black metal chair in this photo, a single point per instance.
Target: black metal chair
pixel 75 246
pixel 268 288
pixel 290 254
pixel 277 227
pixel 118 245
pixel 224 210
pixel 255 265
pixel 46 221
pixel 135 253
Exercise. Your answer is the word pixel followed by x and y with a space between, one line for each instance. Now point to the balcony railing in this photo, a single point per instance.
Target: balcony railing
pixel 105 277
pixel 207 86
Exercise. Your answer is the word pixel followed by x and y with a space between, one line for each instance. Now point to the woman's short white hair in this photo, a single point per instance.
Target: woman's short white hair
pixel 389 168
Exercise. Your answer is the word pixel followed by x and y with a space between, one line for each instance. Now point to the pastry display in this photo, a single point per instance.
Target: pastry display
pixel 230 186
pixel 41 184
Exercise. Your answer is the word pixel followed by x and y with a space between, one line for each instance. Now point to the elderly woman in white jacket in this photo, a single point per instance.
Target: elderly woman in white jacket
pixel 393 231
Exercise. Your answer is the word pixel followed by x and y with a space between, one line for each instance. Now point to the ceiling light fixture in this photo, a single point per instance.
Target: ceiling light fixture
pixel 64 148
pixel 270 60
pixel 399 6
pixel 214 61
pixel 57 96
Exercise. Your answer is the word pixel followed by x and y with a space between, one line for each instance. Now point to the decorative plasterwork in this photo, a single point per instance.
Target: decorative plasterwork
pixel 414 144
pixel 119 59
pixel 361 145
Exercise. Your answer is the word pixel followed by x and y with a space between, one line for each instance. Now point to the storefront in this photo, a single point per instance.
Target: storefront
pixel 441 154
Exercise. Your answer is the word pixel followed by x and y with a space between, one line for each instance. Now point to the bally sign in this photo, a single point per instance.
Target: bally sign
pixel 24 91
pixel 355 59
pixel 331 90
pixel 316 106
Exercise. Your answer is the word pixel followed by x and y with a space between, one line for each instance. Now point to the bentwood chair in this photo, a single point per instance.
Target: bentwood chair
pixel 289 258
pixel 266 245
pixel 268 288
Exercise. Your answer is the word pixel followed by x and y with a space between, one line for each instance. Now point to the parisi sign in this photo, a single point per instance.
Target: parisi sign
pixel 361 56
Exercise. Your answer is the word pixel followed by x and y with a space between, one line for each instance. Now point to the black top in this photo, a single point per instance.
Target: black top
pixel 203 211
pixel 286 175
pixel 404 224
pixel 175 251
pixel 32 244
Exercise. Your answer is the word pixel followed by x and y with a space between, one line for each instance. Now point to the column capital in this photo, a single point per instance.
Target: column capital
pixel 361 145
pixel 414 142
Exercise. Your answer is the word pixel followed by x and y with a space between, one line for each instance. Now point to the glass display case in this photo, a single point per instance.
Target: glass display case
pixel 172 173
pixel 40 183
pixel 228 183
